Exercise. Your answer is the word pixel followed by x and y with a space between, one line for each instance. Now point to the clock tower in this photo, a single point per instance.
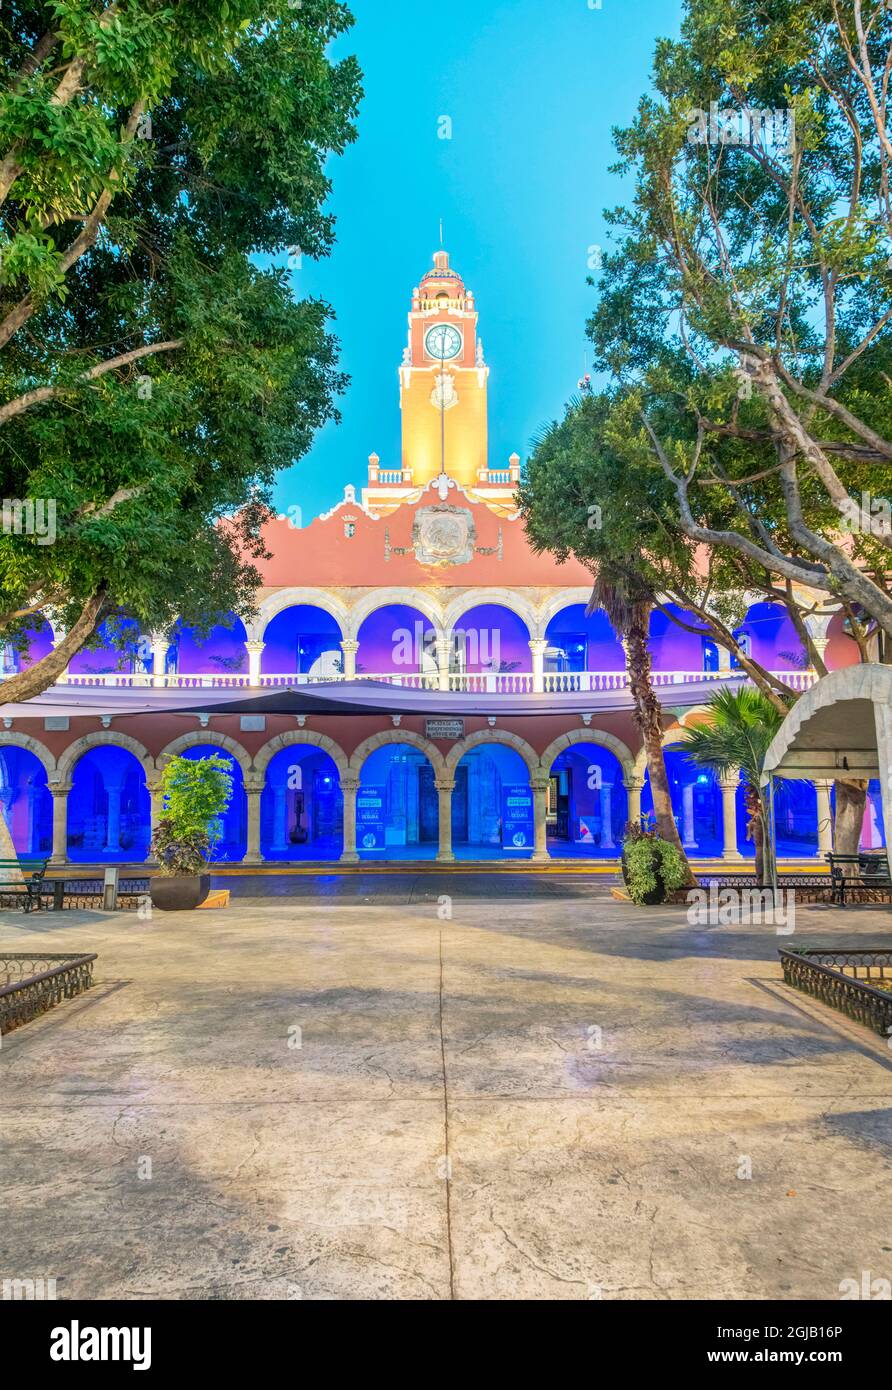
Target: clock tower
pixel 443 383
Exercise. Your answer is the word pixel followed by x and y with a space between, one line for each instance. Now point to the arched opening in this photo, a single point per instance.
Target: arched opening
pixel 36 643
pixel 795 820
pixel 27 805
pixel 397 640
pixel 587 803
pixel 109 814
pixel 119 651
pixel 221 653
pixel 302 807
pixel 229 837
pixel 580 643
pixel 492 805
pixel 696 804
pixel 710 656
pixel 772 639
pixel 671 647
pixel 397 805
pixel 490 640
pixel 302 640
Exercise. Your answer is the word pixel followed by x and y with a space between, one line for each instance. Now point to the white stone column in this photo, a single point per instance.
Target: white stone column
pixel 539 788
pixel 729 787
pixel 687 803
pixel 349 788
pixel 156 803
pixel 538 647
pixel 280 817
pixel 633 786
pixel 31 818
pixel 255 652
pixel 350 647
pixel 825 818
pixel 445 788
pixel 444 656
pixel 820 645
pixel 252 849
pixel 159 656
pixel 60 824
pixel 113 817
pixel 607 841
pixel 724 657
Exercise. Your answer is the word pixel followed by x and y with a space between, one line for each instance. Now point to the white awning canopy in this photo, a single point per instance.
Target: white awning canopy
pixel 840 728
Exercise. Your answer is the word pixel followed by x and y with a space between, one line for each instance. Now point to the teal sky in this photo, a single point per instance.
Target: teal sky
pixel 533 89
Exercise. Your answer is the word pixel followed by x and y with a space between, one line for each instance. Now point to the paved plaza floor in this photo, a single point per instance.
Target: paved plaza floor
pixel 435 1087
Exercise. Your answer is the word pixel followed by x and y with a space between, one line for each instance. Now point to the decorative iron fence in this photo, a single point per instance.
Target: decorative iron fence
pixel 856 982
pixel 68 894
pixel 34 981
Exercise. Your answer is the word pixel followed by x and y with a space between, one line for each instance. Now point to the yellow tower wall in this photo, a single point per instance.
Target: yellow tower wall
pixel 466 428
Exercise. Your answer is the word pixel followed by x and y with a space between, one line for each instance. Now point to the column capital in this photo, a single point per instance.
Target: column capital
pixel 630 783
pixel 444 784
pixel 349 783
pixel 254 648
pixel 349 644
pixel 538 644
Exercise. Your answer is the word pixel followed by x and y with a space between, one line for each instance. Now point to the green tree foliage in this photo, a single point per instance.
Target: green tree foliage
pixel 195 794
pixel 745 309
pixel 154 376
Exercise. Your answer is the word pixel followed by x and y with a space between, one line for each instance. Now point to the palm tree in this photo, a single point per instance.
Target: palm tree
pixel 742 727
pixel 628 604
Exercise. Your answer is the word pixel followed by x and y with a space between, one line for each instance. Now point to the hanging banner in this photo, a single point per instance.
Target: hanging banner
pixel 370 818
pixel 517 817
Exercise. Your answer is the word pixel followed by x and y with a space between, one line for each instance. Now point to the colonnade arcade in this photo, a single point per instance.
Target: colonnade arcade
pixel 398 796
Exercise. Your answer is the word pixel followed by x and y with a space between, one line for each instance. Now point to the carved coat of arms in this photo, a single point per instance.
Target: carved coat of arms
pixel 443 535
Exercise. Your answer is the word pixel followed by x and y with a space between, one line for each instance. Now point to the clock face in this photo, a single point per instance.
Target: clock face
pixel 442 341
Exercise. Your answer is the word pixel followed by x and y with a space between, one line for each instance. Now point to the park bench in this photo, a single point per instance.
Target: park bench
pixel 23 878
pixel 857 871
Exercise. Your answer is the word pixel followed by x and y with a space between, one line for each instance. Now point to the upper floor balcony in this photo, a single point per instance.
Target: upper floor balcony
pixel 510 642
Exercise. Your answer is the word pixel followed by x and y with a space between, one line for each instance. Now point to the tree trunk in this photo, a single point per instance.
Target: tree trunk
pixel 851 797
pixel 755 829
pixel 42 674
pixel 648 716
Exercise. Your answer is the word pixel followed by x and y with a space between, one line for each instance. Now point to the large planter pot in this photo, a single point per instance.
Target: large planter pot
pixel 181 893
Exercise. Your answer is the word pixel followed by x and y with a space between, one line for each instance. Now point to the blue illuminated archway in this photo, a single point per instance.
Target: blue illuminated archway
pixel 302 807
pixel 27 805
pixel 397 808
pixel 587 803
pixel 109 813
pixel 492 805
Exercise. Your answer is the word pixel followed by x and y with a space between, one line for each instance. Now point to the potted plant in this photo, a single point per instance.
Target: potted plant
pixel 195 795
pixel 652 867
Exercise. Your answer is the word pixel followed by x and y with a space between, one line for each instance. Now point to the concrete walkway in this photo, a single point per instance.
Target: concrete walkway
pixel 549 1095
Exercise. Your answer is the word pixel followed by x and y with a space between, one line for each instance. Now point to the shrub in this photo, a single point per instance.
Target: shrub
pixel 195 795
pixel 651 865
